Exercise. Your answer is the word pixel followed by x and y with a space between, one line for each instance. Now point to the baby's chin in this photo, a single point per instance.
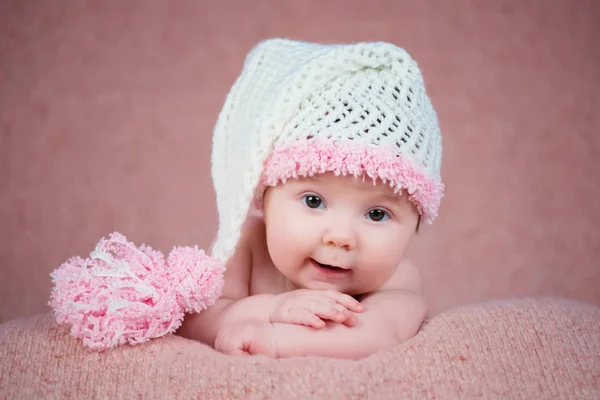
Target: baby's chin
pixel 348 287
pixel 321 285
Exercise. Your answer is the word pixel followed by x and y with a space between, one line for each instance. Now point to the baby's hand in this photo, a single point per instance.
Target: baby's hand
pixel 312 307
pixel 247 337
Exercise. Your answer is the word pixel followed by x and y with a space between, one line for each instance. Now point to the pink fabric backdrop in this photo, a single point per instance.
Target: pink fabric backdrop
pixel 107 109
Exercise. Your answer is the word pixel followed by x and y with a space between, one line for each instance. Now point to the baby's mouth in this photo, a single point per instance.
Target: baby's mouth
pixel 328 267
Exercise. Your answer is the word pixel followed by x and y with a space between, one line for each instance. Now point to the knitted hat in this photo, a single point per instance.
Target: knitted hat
pixel 300 109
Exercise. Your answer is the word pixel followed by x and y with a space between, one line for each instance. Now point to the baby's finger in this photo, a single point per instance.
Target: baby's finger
pixel 347 301
pixel 303 316
pixel 230 348
pixel 351 320
pixel 350 317
pixel 334 312
pixel 243 349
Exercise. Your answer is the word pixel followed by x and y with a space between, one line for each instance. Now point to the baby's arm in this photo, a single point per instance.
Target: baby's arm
pixel 235 303
pixel 389 318
pixel 391 315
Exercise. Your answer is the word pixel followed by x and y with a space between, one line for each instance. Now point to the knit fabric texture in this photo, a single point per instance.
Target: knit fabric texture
pixel 506 349
pixel 300 109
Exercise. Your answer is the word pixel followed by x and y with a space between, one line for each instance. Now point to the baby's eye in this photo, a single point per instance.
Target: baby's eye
pixel 377 215
pixel 313 201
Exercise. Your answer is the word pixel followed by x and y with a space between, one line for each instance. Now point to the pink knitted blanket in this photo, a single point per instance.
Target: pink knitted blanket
pixel 518 349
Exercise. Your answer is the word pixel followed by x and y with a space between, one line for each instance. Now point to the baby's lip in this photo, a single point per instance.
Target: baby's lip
pixel 322 264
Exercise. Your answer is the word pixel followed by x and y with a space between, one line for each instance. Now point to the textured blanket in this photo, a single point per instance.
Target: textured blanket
pixel 517 349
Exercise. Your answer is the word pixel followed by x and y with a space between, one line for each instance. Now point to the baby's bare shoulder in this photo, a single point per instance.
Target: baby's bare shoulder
pixel 253 230
pixel 238 271
pixel 407 277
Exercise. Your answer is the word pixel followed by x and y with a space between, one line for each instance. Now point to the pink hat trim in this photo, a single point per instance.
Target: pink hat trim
pixel 312 157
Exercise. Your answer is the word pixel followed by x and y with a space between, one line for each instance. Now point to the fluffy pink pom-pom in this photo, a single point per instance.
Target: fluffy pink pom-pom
pixel 122 294
pixel 200 278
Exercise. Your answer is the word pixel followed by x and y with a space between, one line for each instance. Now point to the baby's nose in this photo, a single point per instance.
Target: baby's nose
pixel 341 236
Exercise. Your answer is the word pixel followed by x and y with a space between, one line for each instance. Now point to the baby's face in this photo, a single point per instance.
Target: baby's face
pixel 337 232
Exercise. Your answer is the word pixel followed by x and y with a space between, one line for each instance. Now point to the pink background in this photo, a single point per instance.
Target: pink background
pixel 107 110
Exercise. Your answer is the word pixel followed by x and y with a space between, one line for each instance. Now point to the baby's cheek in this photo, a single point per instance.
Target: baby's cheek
pixel 383 248
pixel 380 271
pixel 283 241
pixel 383 256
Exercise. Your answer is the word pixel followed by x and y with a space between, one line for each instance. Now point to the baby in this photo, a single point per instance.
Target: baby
pixel 326 158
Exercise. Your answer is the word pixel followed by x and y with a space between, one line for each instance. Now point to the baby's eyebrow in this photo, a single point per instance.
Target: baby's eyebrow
pixel 316 178
pixel 393 197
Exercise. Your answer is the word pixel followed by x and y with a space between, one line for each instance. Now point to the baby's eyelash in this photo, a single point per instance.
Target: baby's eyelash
pixel 387 215
pixel 382 208
pixel 304 194
pixel 316 200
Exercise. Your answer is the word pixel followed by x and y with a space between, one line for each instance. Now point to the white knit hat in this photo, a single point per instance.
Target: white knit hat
pixel 299 109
